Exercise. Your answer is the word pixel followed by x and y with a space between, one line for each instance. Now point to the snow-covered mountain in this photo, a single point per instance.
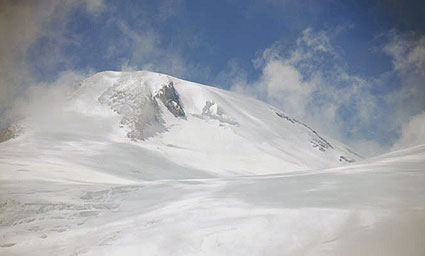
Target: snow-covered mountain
pixel 147 164
pixel 149 125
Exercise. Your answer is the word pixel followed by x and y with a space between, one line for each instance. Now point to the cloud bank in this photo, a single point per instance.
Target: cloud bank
pixel 23 23
pixel 311 82
pixel 412 133
pixel 37 37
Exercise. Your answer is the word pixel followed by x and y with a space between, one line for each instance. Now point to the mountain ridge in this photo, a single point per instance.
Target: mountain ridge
pixel 189 124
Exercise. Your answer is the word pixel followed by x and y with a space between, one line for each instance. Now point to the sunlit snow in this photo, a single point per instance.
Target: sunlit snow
pixel 147 164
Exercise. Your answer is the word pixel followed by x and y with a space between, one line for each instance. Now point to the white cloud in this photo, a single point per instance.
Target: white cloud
pixel 94 6
pixel 144 48
pixel 318 41
pixel 408 52
pixel 310 82
pixel 22 23
pixel 283 83
pixel 412 133
pixel 142 43
pixel 41 98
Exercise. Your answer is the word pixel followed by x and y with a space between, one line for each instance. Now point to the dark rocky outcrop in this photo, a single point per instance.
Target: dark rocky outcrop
pixel 170 98
pixel 345 159
pixel 10 132
pixel 317 141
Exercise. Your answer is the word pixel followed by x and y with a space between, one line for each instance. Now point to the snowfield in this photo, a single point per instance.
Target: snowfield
pixel 147 164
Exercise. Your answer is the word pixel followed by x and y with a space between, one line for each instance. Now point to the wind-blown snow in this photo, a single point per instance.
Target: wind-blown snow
pixel 139 114
pixel 147 164
pixel 375 207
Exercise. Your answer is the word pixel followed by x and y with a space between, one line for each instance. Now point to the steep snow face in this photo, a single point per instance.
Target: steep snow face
pixel 203 129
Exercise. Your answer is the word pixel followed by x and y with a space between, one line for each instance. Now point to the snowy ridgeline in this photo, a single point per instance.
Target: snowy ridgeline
pixel 147 164
pixel 204 130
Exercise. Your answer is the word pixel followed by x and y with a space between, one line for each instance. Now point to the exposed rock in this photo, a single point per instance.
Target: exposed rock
pixel 212 111
pixel 169 97
pixel 343 158
pixel 139 110
pixel 10 132
pixel 317 141
pixel 281 115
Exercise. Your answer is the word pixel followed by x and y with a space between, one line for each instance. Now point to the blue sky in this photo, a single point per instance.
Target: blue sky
pixel 354 70
pixel 211 33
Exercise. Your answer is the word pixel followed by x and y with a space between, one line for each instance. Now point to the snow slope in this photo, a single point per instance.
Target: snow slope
pixel 151 126
pixel 374 207
pixel 147 164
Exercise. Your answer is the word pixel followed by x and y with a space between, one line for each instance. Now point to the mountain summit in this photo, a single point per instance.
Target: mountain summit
pixel 159 126
pixel 144 163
